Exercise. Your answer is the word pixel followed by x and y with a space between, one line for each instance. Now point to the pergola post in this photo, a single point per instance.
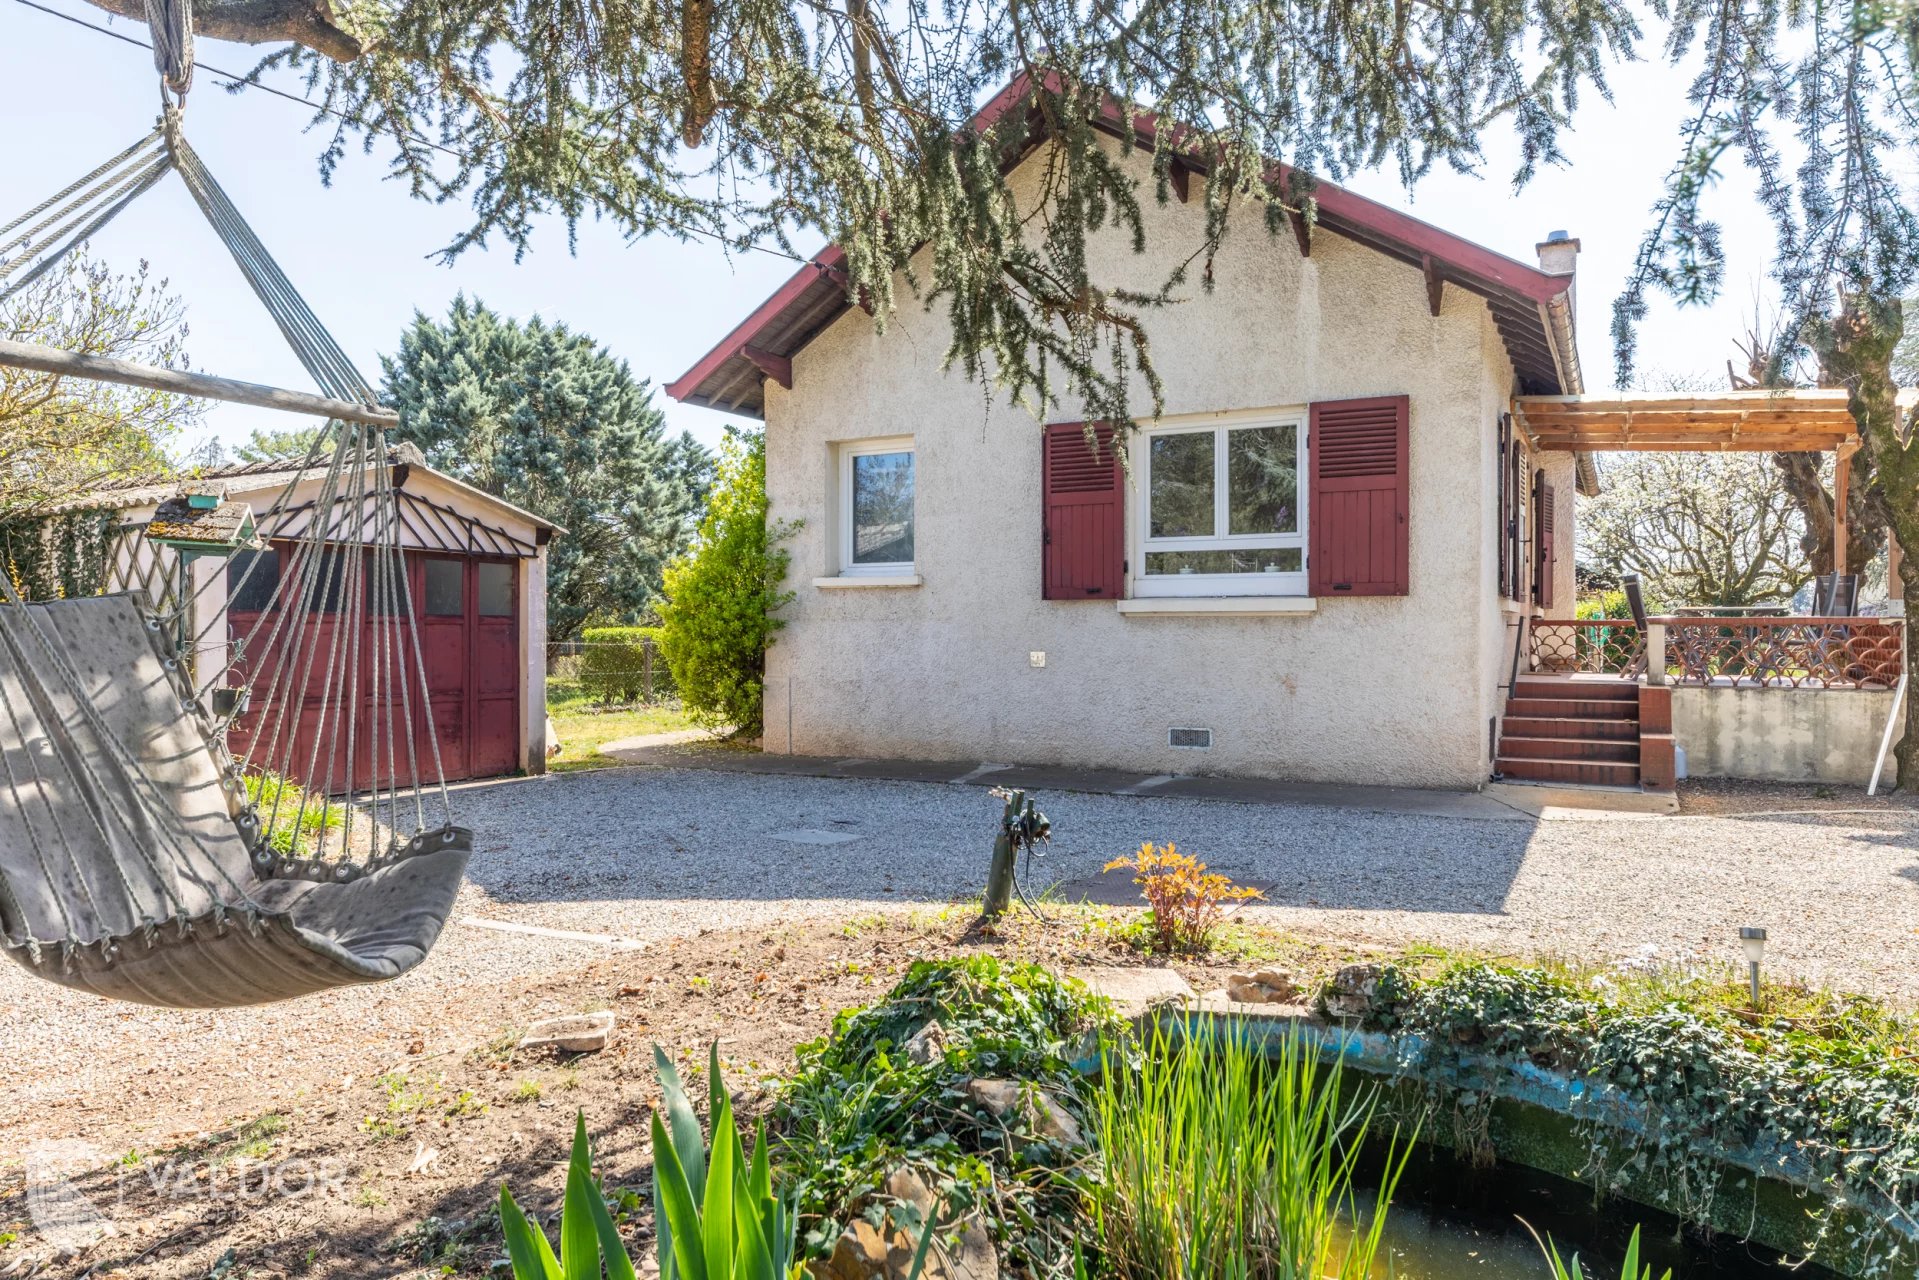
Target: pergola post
pixel 1841 485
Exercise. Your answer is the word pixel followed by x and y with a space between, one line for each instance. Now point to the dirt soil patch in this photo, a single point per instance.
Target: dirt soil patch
pixel 1735 797
pixel 392 1167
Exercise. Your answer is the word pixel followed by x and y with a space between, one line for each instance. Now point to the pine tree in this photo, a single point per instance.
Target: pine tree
pixel 764 122
pixel 264 444
pixel 546 419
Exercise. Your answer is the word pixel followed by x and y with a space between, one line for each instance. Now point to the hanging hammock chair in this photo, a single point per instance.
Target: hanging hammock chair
pixel 277 824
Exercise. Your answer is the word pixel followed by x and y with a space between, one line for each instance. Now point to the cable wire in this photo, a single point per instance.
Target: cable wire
pixel 236 80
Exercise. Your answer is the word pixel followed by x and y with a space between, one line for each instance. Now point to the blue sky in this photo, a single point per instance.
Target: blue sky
pixel 361 249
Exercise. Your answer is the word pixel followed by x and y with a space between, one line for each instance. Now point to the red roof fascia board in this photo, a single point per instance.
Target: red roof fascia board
pixel 1338 205
pixel 829 259
pixel 1337 208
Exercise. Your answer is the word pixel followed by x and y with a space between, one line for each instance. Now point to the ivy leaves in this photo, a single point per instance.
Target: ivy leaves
pixel 1831 1093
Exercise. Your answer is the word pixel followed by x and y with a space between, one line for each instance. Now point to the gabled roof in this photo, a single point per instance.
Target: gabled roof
pixel 225 523
pixel 1532 308
pixel 254 479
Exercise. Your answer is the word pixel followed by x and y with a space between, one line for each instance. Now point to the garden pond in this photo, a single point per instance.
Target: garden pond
pixel 1451 1221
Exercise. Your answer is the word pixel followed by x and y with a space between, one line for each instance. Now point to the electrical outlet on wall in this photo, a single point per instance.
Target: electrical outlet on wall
pixel 1037 657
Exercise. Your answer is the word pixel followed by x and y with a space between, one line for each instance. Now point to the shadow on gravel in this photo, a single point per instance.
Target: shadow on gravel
pixel 640 835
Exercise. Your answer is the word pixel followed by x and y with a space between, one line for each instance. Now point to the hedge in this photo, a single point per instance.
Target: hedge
pixel 623 664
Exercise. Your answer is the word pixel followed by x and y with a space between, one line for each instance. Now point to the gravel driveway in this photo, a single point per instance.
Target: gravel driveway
pixel 650 853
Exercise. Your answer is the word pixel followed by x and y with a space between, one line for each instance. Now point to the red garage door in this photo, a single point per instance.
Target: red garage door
pixel 470 632
pixel 469 646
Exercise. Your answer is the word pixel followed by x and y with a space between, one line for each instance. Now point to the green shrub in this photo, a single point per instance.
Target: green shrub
pixel 1603 604
pixel 860 1106
pixel 717 618
pixel 622 664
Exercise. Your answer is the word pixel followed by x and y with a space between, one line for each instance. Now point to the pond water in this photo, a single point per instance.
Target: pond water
pixel 1450 1221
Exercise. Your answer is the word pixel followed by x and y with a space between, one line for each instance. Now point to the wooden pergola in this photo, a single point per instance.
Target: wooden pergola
pixel 1757 421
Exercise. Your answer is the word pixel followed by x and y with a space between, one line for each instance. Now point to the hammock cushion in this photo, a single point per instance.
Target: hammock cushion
pixel 133 882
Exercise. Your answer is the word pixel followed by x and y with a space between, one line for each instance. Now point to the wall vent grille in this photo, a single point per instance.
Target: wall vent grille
pixel 1191 739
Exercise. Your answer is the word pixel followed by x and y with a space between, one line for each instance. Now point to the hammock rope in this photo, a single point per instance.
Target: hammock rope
pixel 125 810
pixel 96 200
pixel 171 25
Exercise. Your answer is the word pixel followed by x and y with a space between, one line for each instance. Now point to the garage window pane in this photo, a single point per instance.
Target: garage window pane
pixel 317 582
pixel 446 588
pixel 496 590
pixel 386 593
pixel 251 578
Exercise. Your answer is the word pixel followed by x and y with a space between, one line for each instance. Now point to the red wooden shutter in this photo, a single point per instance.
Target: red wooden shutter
pixel 1083 497
pixel 1358 498
pixel 1543 542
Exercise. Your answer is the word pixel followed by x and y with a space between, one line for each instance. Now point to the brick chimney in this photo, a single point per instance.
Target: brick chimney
pixel 1558 254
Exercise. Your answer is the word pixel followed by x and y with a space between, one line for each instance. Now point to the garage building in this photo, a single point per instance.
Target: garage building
pixel 476 569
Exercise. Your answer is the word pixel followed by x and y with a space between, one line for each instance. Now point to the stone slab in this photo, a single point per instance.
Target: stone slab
pixel 1135 990
pixel 571 1033
pixel 1543 800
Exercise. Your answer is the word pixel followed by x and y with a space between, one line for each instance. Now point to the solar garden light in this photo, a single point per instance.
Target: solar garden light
pixel 1754 941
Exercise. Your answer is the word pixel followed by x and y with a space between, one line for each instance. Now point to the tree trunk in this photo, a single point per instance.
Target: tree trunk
pixel 313 23
pixel 1800 475
pixel 1855 351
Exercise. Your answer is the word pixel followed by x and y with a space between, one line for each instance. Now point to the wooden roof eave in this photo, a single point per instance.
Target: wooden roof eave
pixel 1811 420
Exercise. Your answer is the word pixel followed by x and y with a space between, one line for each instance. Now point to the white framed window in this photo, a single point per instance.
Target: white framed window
pixel 1221 507
pixel 876 524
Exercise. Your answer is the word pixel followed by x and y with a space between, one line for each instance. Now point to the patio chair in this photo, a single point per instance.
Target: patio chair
pixel 1835 595
pixel 1844 601
pixel 1635 598
pixel 1635 601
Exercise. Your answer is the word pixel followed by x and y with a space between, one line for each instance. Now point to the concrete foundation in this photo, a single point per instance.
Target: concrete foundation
pixel 1785 735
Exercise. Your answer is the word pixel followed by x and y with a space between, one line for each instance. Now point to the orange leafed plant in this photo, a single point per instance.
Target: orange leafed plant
pixel 1187 899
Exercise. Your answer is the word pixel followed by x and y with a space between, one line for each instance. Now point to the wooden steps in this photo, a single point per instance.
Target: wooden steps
pixel 1516 726
pixel 1587 750
pixel 1586 733
pixel 1581 708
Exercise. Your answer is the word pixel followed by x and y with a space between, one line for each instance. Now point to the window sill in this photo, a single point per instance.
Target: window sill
pixel 1220 606
pixel 867 581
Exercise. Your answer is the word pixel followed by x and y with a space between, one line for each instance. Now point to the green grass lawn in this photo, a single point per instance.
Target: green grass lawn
pixel 584 726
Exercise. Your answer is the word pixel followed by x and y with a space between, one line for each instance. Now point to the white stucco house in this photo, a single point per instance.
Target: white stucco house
pixel 1344 552
pixel 1313 568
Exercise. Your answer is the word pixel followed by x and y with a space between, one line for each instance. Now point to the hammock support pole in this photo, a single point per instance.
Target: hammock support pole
pixel 27 355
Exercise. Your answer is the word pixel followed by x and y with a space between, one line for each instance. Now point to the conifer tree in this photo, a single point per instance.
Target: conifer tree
pixel 541 416
pixel 769 123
